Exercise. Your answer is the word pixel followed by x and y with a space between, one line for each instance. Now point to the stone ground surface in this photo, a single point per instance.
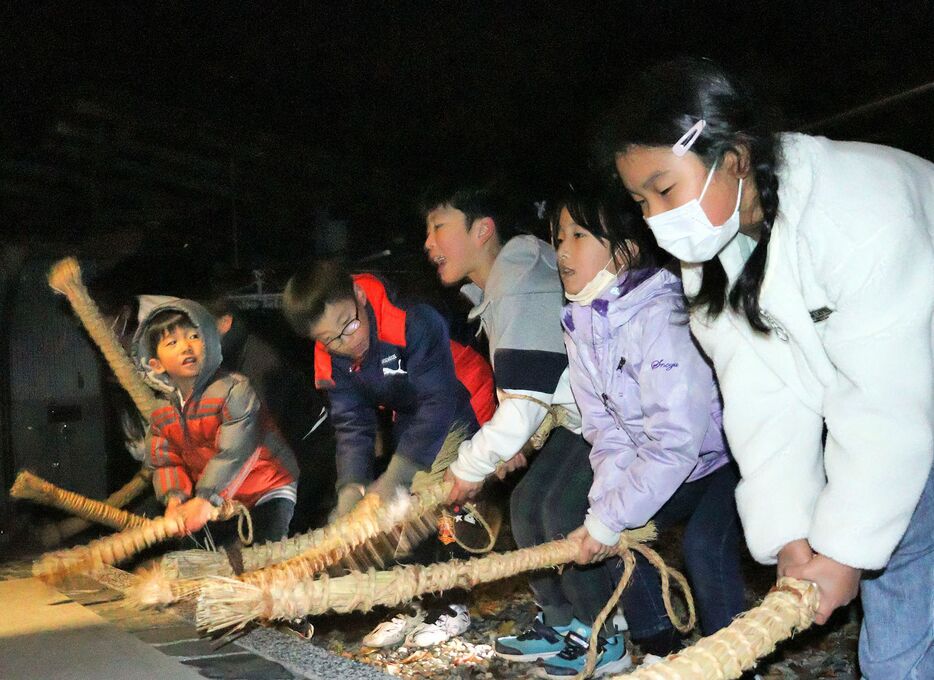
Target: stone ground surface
pixel 501 608
pixel 506 608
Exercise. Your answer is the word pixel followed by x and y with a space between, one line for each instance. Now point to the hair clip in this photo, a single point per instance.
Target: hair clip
pixel 683 145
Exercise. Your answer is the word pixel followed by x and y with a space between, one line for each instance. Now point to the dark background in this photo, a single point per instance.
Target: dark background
pixel 175 145
pixel 236 130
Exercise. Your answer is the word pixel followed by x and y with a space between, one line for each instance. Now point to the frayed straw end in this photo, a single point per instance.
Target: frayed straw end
pixel 25 485
pixel 155 589
pixel 64 273
pixel 55 567
pixel 398 509
pixel 225 603
pixel 643 534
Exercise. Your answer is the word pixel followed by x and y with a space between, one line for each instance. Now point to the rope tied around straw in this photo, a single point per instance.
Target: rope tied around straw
pixel 666 573
pixel 789 607
pixel 32 487
pixel 65 277
pixel 120 546
pixel 229 603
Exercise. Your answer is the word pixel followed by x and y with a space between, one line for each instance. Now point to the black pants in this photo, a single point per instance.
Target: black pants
pixel 270 523
pixel 549 503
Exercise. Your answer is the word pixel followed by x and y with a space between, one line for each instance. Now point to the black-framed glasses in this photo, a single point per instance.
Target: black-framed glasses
pixel 349 328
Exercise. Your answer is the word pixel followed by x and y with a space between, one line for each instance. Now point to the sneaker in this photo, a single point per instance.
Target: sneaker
pixel 538 642
pixel 612 656
pixel 446 624
pixel 392 632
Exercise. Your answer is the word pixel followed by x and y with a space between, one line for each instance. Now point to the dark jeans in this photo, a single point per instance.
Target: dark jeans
pixel 271 520
pixel 270 523
pixel 711 557
pixel 549 503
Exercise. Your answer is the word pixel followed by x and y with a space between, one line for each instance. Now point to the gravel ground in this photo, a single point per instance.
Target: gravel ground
pixel 506 607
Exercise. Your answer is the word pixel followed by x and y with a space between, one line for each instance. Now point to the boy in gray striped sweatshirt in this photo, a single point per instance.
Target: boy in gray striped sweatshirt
pixel 514 286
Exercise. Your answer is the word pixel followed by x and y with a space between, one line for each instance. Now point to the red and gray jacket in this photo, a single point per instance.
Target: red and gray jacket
pixel 219 444
pixel 413 369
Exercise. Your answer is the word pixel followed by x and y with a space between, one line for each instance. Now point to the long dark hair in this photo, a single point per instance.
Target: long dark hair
pixel 612 218
pixel 661 104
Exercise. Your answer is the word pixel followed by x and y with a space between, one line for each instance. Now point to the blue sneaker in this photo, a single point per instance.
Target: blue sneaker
pixel 612 656
pixel 538 642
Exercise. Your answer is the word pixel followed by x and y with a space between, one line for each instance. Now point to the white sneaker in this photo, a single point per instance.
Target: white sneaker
pixel 451 622
pixel 392 632
pixel 650 660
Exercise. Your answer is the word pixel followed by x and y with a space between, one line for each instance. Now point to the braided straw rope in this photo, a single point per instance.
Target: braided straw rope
pixel 120 546
pixel 53 534
pixel 367 522
pixel 225 603
pixel 31 487
pixel 666 573
pixel 65 278
pixel 789 607
pixel 304 555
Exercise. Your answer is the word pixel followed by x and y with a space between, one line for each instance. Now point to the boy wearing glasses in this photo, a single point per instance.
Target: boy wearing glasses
pixel 371 354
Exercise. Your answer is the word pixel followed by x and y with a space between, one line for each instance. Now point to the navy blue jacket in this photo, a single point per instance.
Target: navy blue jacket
pixel 415 381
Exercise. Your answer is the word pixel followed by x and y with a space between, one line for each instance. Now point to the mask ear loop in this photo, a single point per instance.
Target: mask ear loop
pixel 683 145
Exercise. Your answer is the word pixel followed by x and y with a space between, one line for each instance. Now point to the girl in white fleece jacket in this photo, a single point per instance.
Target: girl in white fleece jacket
pixel 809 265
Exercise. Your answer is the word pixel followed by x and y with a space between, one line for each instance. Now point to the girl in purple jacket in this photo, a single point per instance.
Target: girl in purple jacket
pixel 651 411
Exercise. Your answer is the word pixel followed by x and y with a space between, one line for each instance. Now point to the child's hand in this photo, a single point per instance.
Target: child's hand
pixel 172 506
pixel 591 550
pixel 517 462
pixel 462 491
pixel 196 512
pixel 794 554
pixel 838 583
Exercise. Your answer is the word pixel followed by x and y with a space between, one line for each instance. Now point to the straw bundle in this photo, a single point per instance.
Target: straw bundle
pixel 369 523
pixel 118 547
pixel 368 531
pixel 53 534
pixel 790 607
pixel 65 278
pixel 228 603
pixel 31 487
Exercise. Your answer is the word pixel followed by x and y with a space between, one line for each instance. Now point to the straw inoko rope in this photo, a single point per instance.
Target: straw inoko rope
pixel 374 521
pixel 789 607
pixel 32 487
pixel 368 522
pixel 121 546
pixel 53 534
pixel 367 528
pixel 666 573
pixel 65 278
pixel 225 603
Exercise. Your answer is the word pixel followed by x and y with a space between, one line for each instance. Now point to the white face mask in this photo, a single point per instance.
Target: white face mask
pixel 602 280
pixel 687 233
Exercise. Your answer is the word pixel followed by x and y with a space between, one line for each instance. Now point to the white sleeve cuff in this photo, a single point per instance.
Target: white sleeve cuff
pixel 500 438
pixel 599 530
